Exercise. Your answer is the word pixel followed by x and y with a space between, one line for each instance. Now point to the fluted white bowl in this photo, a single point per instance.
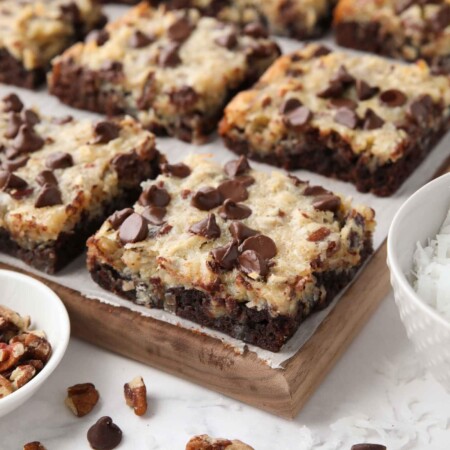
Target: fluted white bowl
pixel 29 297
pixel 418 220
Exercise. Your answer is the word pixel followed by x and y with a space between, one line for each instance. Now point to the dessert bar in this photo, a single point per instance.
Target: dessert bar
pixel 172 70
pixel 244 252
pixel 60 178
pixel 361 119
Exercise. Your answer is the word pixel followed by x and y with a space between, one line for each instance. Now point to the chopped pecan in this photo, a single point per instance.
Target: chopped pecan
pixel 21 375
pixel 10 355
pixel 36 346
pixel 81 398
pixel 34 446
pixel 6 387
pixel 136 395
pixel 319 235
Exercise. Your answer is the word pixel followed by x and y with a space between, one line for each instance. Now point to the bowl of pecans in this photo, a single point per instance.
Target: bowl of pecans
pixel 34 334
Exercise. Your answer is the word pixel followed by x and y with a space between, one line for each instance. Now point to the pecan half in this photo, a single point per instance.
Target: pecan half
pixel 81 398
pixel 136 395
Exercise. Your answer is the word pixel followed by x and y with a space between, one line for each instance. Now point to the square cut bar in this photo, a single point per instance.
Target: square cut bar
pixel 405 29
pixel 60 178
pixel 361 119
pixel 32 32
pixel 244 252
pixel 173 70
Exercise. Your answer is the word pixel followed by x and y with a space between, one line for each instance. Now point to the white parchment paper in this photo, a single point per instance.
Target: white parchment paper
pixel 75 276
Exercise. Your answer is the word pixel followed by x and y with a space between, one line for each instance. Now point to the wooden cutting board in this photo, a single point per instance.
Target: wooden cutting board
pixel 212 364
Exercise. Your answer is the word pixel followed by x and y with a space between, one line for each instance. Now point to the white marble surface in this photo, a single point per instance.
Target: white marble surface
pixel 377 383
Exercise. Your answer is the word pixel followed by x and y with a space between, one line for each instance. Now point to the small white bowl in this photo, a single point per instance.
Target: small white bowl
pixel 29 297
pixel 418 220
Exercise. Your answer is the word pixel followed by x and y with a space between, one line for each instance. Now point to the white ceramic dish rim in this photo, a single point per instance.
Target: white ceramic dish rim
pixel 395 233
pixel 56 356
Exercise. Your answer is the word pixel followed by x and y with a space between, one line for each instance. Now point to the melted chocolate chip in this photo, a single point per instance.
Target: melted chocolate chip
pixel 206 198
pixel 105 132
pixel 393 98
pixel 261 244
pixel 27 140
pixel 228 40
pixel 179 170
pixel 372 121
pixel 154 196
pixel 133 229
pixel 251 262
pixel 246 180
pixel 184 97
pixel 154 214
pixel 169 56
pixel 327 202
pixel 226 256
pixel 234 211
pixel 10 181
pixel 368 447
pixel 315 190
pixel 59 160
pixel 343 103
pixel 119 217
pixel 14 124
pixel 104 434
pixel 16 163
pixel 421 109
pixel 12 103
pixel 364 91
pixel 241 232
pixel 233 190
pixel 180 30
pixel 207 228
pixel 49 195
pixel 100 37
pixel 256 30
pixel 46 177
pixel 290 105
pixel 140 39
pixel 237 167
pixel 298 117
pixel 346 117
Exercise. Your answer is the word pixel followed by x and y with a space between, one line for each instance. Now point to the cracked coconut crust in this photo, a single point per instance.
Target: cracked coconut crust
pixel 173 70
pixel 61 177
pixel 358 118
pixel 32 32
pixel 398 28
pixel 245 252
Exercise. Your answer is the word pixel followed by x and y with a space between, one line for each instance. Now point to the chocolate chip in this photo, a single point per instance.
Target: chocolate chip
pixel 207 228
pixel 104 434
pixel 241 232
pixel 298 117
pixel 169 56
pixel 327 202
pixel 343 76
pixel 421 109
pixel 27 140
pixel 372 121
pixel 393 98
pixel 206 198
pixel 184 97
pixel 154 214
pixel 321 50
pixel 62 120
pixel 256 30
pixel 100 37
pixel 140 39
pixel 14 124
pixel 343 103
pixel 49 195
pixel 228 40
pixel 315 190
pixel 346 117
pixel 179 170
pixel 251 262
pixel 441 19
pixel 234 211
pixel 364 91
pixel 10 181
pixel 246 180
pixel 46 177
pixel 105 131
pixel 261 244
pixel 237 166
pixel 154 196
pixel 133 229
pixel 180 30
pixel 16 163
pixel 30 117
pixel 59 160
pixel 226 256
pixel 12 103
pixel 337 84
pixel 289 105
pixel 368 447
pixel 119 217
pixel 233 190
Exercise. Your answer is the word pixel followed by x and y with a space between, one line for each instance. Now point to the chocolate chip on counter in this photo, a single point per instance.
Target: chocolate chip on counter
pixel 256 30
pixel 226 256
pixel 179 170
pixel 10 181
pixel 27 140
pixel 421 109
pixel 368 447
pixel 207 228
pixel 298 117
pixel 140 39
pixel 100 37
pixel 237 166
pixel 233 190
pixel 261 244
pixel 241 232
pixel 155 196
pixel 59 160
pixel 14 124
pixel 180 30
pixel 49 195
pixel 343 103
pixel 234 211
pixel 393 98
pixel 327 202
pixel 372 121
pixel 104 434
pixel 105 131
pixel 184 97
pixel 133 229
pixel 321 50
pixel 16 163
pixel 228 40
pixel 246 180
pixel 46 177
pixel 206 198
pixel 440 19
pixel 118 218
pixel 251 262
pixel 12 103
pixel 290 104
pixel 154 214
pixel 346 117
pixel 169 55
pixel 364 91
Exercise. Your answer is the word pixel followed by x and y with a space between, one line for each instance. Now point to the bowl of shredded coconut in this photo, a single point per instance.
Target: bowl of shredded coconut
pixel 419 261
